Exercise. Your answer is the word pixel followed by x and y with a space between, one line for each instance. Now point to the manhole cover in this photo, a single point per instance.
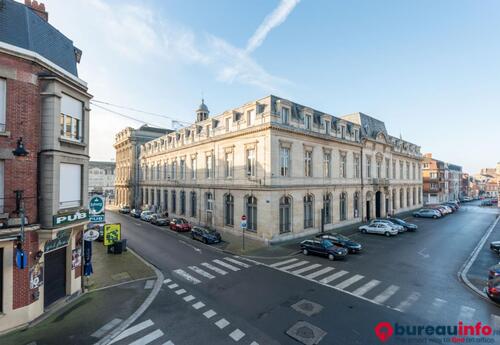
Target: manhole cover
pixel 306 333
pixel 307 307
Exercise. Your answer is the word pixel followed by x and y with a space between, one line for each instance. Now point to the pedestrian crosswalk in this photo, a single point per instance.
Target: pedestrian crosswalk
pixel 207 271
pixel 375 291
pixel 142 333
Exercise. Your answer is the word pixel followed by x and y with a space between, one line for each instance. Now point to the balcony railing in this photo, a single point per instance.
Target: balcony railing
pixel 380 181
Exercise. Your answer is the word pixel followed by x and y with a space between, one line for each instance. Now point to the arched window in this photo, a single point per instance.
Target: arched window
pixel 401 198
pixel 343 206
pixel 251 210
pixel 285 214
pixel 228 210
pixel 193 204
pixel 183 202
pixel 356 204
pixel 327 208
pixel 308 211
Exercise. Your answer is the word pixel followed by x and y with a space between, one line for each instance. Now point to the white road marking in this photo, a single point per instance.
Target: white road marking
pixel 149 284
pixel 226 265
pixel 132 330
pixel 236 335
pixel 222 323
pixel 305 269
pixel 349 282
pixel 166 281
pixel 495 321
pixel 106 328
pixel 198 305
pixel 213 268
pixel 466 313
pixel 297 264
pixel 386 294
pixel 365 288
pixel 334 276
pixel 201 272
pixel 168 343
pixel 188 298
pixel 254 343
pixel 172 286
pixel 437 304
pixel 148 338
pixel 412 298
pixel 180 291
pixel 187 276
pixel 276 264
pixel 209 313
pixel 318 273
pixel 239 263
pixel 190 245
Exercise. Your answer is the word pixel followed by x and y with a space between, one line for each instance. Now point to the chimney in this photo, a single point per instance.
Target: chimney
pixel 38 8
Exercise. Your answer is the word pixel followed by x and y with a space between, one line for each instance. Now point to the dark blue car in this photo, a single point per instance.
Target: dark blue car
pixel 205 235
pixel 406 225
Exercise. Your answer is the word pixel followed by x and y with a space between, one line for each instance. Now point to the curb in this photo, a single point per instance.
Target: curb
pixel 462 273
pixel 144 306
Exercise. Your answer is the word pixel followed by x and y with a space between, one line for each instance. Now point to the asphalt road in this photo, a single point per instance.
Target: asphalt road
pixel 409 279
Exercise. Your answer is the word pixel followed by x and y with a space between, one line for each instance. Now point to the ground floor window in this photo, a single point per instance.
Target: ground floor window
pixel 174 201
pixel 308 211
pixel 356 204
pixel 401 198
pixel 228 210
pixel 165 199
pixel 251 210
pixel 343 206
pixel 193 204
pixel 327 209
pixel 183 202
pixel 285 214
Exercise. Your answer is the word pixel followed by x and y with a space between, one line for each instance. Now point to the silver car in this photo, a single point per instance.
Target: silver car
pixel 397 227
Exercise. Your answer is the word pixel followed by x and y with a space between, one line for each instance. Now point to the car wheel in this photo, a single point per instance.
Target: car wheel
pixel 305 251
pixel 387 233
pixel 192 236
pixel 205 240
pixel 331 257
pixel 363 231
pixel 435 217
pixel 416 215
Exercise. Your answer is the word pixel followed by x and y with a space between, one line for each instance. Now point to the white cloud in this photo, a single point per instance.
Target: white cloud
pixel 276 18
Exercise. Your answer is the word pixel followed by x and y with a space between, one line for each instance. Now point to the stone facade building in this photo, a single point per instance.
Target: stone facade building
pixel 127 146
pixel 289 168
pixel 44 135
pixel 102 178
pixel 442 181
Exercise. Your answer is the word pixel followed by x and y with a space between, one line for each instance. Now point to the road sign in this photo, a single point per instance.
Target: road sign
pixel 96 205
pixel 243 217
pixel 243 224
pixel 112 233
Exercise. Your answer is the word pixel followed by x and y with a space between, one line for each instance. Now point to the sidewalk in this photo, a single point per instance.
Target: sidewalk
pixel 79 320
pixel 259 250
pixel 477 271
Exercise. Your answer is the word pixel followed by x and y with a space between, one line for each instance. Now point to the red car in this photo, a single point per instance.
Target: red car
pixel 180 224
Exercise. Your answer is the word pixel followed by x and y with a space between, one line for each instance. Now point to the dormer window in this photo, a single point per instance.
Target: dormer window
pixel 327 127
pixel 307 122
pixel 285 115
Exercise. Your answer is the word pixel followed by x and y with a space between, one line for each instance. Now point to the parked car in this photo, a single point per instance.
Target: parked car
pixel 342 241
pixel 180 224
pixel 398 227
pixel 378 228
pixel 158 219
pixel 124 209
pixel 205 235
pixel 323 248
pixel 486 203
pixel 493 289
pixel 495 246
pixel 406 225
pixel 448 208
pixel 494 271
pixel 427 213
pixel 453 206
pixel 136 213
pixel 146 215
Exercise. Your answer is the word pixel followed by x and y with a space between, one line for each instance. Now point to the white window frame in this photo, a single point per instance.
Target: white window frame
pixel 308 163
pixel 72 109
pixel 251 162
pixel 70 190
pixel 285 115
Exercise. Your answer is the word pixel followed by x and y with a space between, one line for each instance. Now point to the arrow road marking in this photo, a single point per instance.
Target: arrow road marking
pixel 421 253
pixel 190 245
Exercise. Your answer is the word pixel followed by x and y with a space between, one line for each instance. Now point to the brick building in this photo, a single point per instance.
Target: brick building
pixel 44 120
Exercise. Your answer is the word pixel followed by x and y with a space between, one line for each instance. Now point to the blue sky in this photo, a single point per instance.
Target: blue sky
pixel 429 69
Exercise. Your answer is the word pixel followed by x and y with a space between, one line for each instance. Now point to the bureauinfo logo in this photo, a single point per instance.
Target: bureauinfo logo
pixel 460 333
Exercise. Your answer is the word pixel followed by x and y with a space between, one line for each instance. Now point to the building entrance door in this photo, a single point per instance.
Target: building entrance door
pixel 55 276
pixel 378 197
pixel 368 210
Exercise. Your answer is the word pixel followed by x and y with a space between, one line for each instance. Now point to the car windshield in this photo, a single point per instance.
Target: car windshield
pixel 327 244
pixel 342 237
pixel 398 221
